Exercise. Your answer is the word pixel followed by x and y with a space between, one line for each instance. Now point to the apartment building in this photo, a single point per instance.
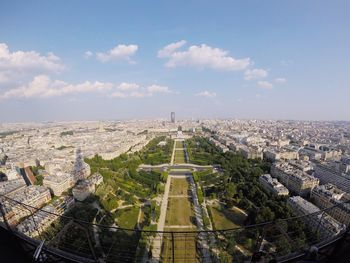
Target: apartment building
pixel 328 195
pixel 59 182
pixel 296 180
pixel 11 186
pixel 324 224
pixel 25 201
pixel 331 173
pixel 38 222
pixel 251 152
pixel 272 185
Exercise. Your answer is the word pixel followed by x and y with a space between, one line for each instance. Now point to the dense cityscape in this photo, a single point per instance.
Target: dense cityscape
pixel 136 175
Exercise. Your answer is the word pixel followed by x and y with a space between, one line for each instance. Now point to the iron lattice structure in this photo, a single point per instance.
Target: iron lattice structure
pixel 68 239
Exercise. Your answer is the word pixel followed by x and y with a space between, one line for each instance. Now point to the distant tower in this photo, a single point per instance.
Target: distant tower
pixel 172 117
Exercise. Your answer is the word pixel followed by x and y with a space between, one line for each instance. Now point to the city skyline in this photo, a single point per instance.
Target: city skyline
pixel 117 60
pixel 215 180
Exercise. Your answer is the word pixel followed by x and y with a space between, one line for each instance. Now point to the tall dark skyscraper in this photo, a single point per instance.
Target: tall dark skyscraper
pixel 172 117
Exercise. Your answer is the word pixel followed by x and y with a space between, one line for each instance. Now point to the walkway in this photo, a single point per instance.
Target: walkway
pixel 203 237
pixel 173 155
pixel 157 242
pixel 175 166
pixel 180 226
pixel 179 196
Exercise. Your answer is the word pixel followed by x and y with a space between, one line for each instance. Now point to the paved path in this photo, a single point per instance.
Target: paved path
pixel 121 207
pixel 157 242
pixel 203 237
pixel 175 166
pixel 173 155
pixel 139 218
pixel 181 226
pixel 178 196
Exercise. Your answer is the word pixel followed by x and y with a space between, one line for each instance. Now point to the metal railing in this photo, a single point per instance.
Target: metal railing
pixel 87 241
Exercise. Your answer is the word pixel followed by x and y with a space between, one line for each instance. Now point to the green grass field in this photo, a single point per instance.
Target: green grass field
pixel 127 217
pixel 227 218
pixel 179 186
pixel 184 246
pixel 179 212
pixel 179 156
pixel 179 144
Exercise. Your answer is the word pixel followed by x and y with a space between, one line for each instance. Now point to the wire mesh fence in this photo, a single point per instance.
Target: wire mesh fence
pixel 109 243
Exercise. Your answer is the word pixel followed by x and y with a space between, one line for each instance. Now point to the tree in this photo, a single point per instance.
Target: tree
pixel 164 176
pixel 283 246
pixel 265 215
pixel 110 203
pixel 200 195
pixel 39 180
pixel 231 246
pixel 231 190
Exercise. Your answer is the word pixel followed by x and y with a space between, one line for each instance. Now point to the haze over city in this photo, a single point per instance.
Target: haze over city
pixel 122 60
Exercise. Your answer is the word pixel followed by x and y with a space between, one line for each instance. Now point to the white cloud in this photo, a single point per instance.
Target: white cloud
pixel 139 92
pixel 201 57
pixel 120 52
pixel 206 93
pixel 280 80
pixel 118 94
pixel 42 86
pixel 28 61
pixel 265 84
pixel 168 50
pixel 5 76
pixel 88 54
pixel 158 89
pixel 122 95
pixel 255 74
pixel 128 86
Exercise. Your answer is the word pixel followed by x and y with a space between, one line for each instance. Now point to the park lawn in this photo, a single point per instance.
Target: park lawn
pixel 127 217
pixel 201 158
pixel 154 154
pixel 225 218
pixel 132 187
pixel 179 156
pixel 179 186
pixel 184 246
pixel 220 219
pixel 212 179
pixel 179 144
pixel 179 212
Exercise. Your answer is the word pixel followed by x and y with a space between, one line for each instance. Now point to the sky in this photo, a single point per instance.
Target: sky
pixel 112 60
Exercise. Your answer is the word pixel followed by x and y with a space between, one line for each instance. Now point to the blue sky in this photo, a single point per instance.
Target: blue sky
pixel 100 60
